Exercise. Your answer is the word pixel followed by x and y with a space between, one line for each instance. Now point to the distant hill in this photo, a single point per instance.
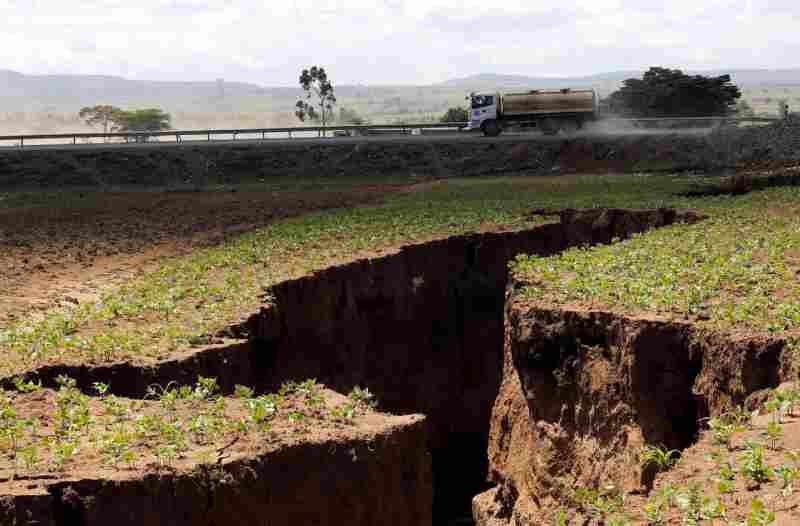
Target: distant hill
pixel 206 104
pixel 743 77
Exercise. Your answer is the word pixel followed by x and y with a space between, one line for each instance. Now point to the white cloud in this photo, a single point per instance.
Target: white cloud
pixel 391 41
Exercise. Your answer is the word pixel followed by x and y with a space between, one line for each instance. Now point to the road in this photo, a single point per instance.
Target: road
pixel 379 139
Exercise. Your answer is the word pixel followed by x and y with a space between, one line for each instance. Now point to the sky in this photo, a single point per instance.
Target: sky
pixel 376 42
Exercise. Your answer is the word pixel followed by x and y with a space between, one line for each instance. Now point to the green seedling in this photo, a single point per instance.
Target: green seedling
pixel 660 457
pixel 262 410
pixel 754 468
pixel 560 518
pixel 759 514
pixel 243 392
pixel 23 386
pixel 723 429
pixel 654 510
pixel 363 397
pixel 773 433
pixel 787 474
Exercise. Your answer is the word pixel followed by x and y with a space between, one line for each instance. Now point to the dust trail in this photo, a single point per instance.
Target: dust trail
pixel 620 127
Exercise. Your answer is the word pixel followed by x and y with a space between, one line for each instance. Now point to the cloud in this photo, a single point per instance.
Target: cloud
pixel 391 41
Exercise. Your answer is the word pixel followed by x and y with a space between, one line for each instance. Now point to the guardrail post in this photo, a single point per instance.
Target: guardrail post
pixel 290 134
pixel 21 142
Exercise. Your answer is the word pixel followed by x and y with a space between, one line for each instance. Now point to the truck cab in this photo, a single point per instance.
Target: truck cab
pixel 483 110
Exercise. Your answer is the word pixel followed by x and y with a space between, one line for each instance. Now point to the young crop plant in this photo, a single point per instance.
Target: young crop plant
pixel 64 450
pixel 243 392
pixel 654 510
pixel 205 389
pixel 597 505
pixel 723 429
pixel 697 506
pixel 72 408
pixel 116 447
pixel 662 458
pixel 262 410
pixel 775 407
pixel 759 514
pixel 753 467
pixel 773 433
pixel 787 474
pixel 560 518
pixel 29 386
pixel 363 397
pixel 344 412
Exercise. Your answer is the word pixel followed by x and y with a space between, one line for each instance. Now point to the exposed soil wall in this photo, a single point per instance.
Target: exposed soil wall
pixel 583 391
pixel 198 165
pixel 423 329
pixel 384 479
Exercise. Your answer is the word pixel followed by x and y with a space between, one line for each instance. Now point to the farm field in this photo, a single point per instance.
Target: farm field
pixel 185 298
pixel 96 279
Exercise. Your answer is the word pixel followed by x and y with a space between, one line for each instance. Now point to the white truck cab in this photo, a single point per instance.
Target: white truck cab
pixel 483 108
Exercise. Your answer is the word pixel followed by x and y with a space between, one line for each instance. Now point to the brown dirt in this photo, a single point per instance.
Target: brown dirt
pixel 585 390
pixel 697 465
pixel 322 470
pixel 69 249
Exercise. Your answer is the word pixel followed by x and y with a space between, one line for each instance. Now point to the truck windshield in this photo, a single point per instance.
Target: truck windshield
pixel 481 101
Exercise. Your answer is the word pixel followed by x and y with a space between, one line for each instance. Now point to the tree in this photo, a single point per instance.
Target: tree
pixel 100 114
pixel 458 114
pixel 146 120
pixel 664 92
pixel 318 94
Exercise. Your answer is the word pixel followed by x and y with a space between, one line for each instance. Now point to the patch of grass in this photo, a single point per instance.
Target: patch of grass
pixel 737 269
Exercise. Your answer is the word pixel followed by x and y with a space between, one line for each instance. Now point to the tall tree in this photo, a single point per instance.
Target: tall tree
pixel 100 114
pixel 318 94
pixel 664 92
pixel 149 119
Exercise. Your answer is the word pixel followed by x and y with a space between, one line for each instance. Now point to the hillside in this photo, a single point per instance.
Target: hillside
pixel 42 103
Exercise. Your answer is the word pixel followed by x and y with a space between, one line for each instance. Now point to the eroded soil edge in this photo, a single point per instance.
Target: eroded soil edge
pixel 584 391
pixel 423 329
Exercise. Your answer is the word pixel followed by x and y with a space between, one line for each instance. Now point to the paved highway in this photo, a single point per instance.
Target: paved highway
pixel 377 139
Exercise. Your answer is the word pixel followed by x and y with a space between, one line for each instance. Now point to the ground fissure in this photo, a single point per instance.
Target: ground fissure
pixel 432 330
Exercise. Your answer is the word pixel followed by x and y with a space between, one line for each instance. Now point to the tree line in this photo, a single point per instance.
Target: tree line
pixel 661 92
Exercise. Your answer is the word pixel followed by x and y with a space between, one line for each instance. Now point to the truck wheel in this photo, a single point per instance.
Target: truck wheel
pixel 491 129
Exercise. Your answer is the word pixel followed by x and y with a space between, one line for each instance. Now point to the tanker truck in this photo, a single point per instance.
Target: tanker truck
pixel 550 110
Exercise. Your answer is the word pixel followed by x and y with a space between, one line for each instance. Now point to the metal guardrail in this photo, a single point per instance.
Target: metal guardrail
pixel 319 130
pixel 234 132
